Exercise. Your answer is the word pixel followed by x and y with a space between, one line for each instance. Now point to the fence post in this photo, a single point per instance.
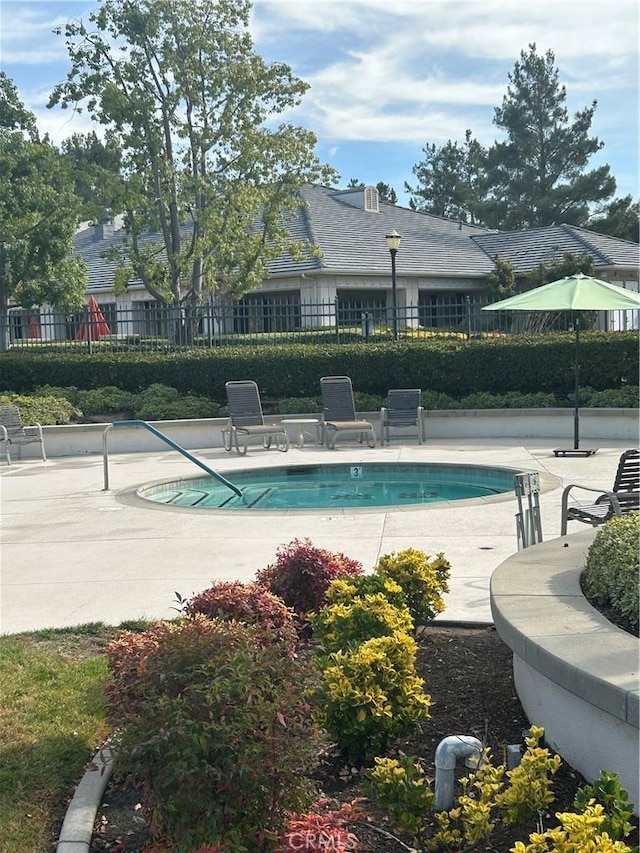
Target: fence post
pixel 467 300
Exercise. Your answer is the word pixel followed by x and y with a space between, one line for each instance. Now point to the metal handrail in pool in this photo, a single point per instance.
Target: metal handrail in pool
pixel 167 440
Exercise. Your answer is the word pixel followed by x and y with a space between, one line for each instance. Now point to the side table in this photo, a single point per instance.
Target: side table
pixel 301 423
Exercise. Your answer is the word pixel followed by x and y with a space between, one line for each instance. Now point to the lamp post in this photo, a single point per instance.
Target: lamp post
pixel 393 244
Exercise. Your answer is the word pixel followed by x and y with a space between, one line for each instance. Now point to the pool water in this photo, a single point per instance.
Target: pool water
pixel 335 486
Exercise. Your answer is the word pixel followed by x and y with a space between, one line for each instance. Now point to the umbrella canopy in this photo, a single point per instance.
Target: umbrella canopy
pixel 573 293
pixel 93 325
pixel 34 328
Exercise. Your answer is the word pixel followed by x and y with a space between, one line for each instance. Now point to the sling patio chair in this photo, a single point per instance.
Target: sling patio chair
pixel 14 432
pixel 623 497
pixel 246 420
pixel 339 413
pixel 401 409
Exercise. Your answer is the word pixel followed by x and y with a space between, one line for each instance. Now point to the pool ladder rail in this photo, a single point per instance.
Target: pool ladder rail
pixel 173 444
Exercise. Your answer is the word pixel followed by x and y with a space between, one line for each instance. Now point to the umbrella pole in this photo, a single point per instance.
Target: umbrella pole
pixel 576 406
pixel 576 389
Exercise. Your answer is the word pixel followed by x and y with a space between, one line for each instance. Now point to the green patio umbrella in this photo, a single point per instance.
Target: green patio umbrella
pixel 573 293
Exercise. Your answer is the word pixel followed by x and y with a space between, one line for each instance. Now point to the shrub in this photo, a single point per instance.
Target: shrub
pixel 323 829
pixel 212 716
pixel 341 626
pixel 612 567
pixel 367 402
pixel 161 402
pixel 576 833
pixel 344 590
pixel 371 695
pixel 298 406
pixel 43 410
pixel 625 397
pixel 401 786
pixel 302 573
pixel 608 792
pixel 249 603
pixel 422 578
pixel 67 392
pixel 491 794
pixel 106 399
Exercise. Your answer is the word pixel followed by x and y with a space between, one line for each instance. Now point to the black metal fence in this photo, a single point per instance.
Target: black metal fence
pixel 148 326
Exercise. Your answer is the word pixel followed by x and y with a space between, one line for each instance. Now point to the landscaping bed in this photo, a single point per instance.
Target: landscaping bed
pixel 468 673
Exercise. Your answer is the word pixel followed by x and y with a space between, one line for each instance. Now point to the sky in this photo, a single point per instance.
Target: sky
pixel 388 77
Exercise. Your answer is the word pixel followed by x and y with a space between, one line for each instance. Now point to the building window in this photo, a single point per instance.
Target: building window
pixel 260 313
pixel 442 310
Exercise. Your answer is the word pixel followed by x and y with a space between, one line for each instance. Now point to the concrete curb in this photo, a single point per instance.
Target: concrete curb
pixel 77 828
pixel 575 672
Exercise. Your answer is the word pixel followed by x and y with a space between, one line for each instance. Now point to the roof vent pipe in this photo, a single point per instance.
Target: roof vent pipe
pixel 447 753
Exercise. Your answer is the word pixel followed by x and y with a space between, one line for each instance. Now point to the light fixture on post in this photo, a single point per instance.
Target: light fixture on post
pixel 393 244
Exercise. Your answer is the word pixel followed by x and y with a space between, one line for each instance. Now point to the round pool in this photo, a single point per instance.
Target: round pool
pixel 334 486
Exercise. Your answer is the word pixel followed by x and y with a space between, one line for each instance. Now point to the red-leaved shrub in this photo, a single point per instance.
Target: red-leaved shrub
pixel 302 573
pixel 323 829
pixel 213 716
pixel 250 603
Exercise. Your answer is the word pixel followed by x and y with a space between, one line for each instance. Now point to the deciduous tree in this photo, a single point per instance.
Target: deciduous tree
pixel 205 165
pixel 96 166
pixel 38 217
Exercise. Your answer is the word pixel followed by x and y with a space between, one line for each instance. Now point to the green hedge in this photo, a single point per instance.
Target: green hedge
pixel 611 572
pixel 528 364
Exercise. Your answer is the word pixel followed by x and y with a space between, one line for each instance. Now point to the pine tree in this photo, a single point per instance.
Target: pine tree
pixel 537 175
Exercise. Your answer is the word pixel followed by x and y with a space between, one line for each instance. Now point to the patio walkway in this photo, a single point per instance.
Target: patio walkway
pixel 72 553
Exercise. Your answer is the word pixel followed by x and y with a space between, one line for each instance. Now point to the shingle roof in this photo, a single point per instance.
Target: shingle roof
pixel 534 246
pixel 352 240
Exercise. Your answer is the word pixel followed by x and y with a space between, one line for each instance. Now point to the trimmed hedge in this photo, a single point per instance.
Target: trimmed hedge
pixel 611 572
pixel 528 364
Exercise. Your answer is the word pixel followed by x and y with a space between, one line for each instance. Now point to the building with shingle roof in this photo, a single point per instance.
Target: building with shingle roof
pixel 441 266
pixel 349 227
pixel 532 247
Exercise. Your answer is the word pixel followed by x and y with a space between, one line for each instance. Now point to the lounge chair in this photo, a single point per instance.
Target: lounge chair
pixel 339 414
pixel 246 420
pixel 402 409
pixel 623 497
pixel 14 432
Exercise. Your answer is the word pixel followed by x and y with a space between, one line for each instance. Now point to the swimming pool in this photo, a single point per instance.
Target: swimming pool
pixel 335 486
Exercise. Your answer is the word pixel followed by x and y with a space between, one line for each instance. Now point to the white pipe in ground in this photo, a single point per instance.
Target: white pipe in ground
pixel 447 753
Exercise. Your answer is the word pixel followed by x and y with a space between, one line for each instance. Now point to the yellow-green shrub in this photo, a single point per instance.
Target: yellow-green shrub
pixel 344 590
pixel 423 580
pixel 491 794
pixel 402 788
pixel 43 410
pixel 371 695
pixel 340 626
pixel 578 833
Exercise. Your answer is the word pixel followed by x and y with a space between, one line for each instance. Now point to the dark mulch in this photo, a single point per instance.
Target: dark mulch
pixel 468 673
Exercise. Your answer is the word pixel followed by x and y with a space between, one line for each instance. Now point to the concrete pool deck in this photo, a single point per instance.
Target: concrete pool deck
pixel 72 553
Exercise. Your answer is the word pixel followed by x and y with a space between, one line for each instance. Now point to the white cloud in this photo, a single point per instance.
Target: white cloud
pixel 385 71
pixel 413 71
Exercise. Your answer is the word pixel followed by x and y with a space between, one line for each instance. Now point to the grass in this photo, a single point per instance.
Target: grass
pixel 52 719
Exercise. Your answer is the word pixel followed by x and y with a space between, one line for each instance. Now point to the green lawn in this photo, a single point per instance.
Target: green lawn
pixel 52 719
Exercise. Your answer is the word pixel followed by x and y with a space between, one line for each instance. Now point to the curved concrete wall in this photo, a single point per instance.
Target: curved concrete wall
pixel 576 674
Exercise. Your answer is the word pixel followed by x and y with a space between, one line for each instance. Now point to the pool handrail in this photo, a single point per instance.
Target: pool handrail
pixel 167 440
